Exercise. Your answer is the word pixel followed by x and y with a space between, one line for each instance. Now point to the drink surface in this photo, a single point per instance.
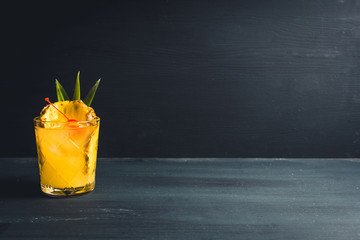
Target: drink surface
pixel 67 155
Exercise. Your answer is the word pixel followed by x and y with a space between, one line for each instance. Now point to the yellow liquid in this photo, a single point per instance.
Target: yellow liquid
pixel 67 158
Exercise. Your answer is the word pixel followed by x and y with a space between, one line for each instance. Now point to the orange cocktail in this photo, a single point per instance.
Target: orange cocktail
pixel 67 133
pixel 67 153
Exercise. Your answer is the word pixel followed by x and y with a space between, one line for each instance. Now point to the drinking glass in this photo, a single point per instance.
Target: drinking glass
pixel 67 154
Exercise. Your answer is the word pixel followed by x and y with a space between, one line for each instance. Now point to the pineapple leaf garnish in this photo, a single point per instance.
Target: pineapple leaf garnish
pixel 91 94
pixel 60 92
pixel 62 95
pixel 76 95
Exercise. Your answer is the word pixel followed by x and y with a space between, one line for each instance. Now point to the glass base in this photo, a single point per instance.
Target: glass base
pixel 61 192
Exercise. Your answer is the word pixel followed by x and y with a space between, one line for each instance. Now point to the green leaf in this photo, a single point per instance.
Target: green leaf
pixel 91 94
pixel 76 95
pixel 60 92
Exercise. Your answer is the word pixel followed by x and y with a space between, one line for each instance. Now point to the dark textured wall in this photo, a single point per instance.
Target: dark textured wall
pixel 191 78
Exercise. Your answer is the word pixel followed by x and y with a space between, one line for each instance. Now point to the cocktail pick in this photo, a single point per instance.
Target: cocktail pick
pixel 68 119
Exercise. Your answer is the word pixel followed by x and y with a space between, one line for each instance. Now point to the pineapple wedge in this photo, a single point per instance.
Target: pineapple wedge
pixel 76 109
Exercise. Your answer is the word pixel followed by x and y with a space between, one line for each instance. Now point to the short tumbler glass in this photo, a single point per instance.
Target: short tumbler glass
pixel 67 153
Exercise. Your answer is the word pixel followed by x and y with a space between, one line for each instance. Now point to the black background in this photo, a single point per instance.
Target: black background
pixel 190 78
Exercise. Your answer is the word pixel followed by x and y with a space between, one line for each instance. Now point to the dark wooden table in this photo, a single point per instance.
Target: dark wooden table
pixel 189 199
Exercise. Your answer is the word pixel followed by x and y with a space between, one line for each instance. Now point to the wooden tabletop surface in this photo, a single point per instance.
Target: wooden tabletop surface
pixel 147 198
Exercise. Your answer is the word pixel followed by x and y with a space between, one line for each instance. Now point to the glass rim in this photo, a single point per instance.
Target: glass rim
pixel 37 120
